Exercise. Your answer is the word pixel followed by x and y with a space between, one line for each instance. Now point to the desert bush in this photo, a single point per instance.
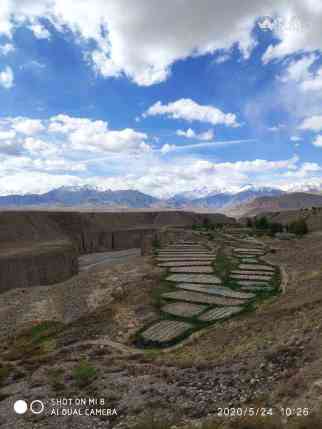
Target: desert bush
pixel 56 378
pixel 298 227
pixel 84 373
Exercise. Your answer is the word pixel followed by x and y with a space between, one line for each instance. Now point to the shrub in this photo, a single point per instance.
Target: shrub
pixel 298 227
pixel 84 373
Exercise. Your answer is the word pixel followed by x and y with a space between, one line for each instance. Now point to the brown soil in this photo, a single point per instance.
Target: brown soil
pixel 270 358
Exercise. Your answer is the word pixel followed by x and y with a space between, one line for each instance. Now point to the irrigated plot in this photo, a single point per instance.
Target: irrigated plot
pixel 184 264
pixel 257 288
pixel 256 267
pixel 249 261
pixel 182 246
pixel 201 298
pixel 165 330
pixel 184 258
pixel 249 277
pixel 183 249
pixel 219 313
pixel 243 256
pixel 169 253
pixel 215 290
pixel 252 273
pixel 191 269
pixel 194 278
pixel 247 256
pixel 252 283
pixel 248 251
pixel 183 309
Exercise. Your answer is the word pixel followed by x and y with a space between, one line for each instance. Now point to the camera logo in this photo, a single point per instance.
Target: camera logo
pixel 266 23
pixel 21 406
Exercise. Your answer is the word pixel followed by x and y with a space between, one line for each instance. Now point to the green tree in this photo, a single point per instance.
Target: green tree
pixel 262 223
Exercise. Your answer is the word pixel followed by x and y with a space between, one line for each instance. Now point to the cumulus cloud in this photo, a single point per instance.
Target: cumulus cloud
pixel 149 38
pixel 27 126
pixel 312 123
pixel 86 134
pixel 295 138
pixel 7 135
pixel 189 110
pixel 55 140
pixel 7 78
pixel 191 134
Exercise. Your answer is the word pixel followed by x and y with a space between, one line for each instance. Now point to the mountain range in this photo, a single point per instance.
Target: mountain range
pixel 250 199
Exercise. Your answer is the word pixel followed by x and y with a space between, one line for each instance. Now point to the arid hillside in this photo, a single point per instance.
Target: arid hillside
pixel 43 247
pixel 77 339
pixel 293 201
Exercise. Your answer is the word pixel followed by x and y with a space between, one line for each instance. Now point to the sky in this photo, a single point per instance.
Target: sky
pixel 162 97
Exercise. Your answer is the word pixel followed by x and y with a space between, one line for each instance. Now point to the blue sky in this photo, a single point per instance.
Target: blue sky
pixel 163 98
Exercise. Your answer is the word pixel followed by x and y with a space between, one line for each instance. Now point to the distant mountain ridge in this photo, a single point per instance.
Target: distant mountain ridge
pixel 220 200
pixel 286 201
pixel 77 196
pixel 248 199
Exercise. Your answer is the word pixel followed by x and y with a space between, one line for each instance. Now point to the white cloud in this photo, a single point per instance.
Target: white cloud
pixel 143 39
pixel 86 134
pixel 222 58
pixel 312 123
pixel 189 110
pixel 191 134
pixel 166 148
pixel 314 83
pixel 6 48
pixel 19 182
pixel 27 126
pixel 7 78
pixel 295 138
pixel 318 141
pixel 298 70
pixel 297 29
pixel 39 147
pixel 39 31
pixel 7 135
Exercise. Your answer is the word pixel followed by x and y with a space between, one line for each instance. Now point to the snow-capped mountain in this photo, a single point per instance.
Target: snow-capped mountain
pixel 89 196
pixel 81 195
pixel 221 198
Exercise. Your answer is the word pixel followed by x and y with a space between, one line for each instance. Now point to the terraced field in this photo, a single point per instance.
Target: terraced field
pixel 198 296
